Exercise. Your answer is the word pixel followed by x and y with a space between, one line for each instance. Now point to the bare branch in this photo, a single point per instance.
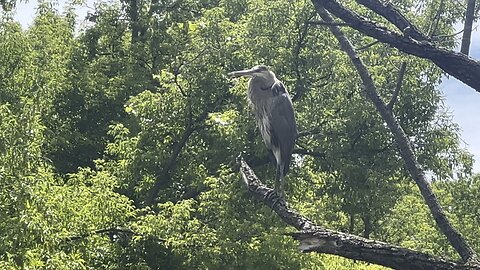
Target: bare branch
pixel 328 23
pixel 405 149
pixel 368 45
pixel 177 83
pixel 458 65
pixel 398 86
pixel 314 238
pixel 436 19
pixel 467 33
pixel 438 37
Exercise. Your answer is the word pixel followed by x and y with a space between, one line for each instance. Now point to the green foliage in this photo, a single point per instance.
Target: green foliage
pixel 118 142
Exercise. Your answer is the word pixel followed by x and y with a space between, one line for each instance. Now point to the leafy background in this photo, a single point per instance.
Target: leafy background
pixel 118 139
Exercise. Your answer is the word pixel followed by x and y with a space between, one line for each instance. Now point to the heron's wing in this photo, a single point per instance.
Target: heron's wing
pixel 283 127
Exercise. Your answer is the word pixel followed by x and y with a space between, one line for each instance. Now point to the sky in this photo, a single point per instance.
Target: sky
pixel 25 11
pixel 462 101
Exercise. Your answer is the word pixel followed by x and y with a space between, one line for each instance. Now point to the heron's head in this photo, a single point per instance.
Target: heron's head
pixel 257 71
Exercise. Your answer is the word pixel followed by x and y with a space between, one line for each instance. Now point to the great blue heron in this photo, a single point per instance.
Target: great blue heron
pixel 274 115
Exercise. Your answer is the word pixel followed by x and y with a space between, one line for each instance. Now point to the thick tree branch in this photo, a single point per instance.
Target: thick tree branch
pixel 467 33
pixel 389 12
pixel 405 149
pixel 358 248
pixel 314 238
pixel 272 200
pixel 458 65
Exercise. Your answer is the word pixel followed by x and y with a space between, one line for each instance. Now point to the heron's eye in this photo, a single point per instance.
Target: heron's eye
pixel 260 68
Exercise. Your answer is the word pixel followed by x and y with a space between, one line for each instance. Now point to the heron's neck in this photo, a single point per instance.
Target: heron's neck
pixel 265 81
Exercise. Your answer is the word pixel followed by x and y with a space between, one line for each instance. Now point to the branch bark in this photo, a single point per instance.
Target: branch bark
pixel 467 30
pixel 389 12
pixel 456 64
pixel 405 149
pixel 314 238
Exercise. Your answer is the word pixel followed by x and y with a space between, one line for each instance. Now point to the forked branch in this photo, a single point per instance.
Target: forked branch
pixel 456 64
pixel 404 147
pixel 314 238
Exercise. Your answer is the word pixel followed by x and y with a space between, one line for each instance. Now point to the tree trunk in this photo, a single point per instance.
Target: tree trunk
pixel 467 30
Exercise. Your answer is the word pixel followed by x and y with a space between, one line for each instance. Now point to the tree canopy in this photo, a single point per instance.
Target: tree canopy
pixel 120 135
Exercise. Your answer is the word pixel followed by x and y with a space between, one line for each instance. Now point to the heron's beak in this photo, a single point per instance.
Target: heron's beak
pixel 245 72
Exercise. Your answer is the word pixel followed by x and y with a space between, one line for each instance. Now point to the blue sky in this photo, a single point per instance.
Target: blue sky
pixel 462 101
pixel 25 11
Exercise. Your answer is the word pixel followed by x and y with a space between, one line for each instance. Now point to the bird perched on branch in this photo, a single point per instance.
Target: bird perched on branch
pixel 274 115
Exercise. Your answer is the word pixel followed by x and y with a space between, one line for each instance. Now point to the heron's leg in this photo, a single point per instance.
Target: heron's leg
pixel 277 178
pixel 278 189
pixel 279 182
pixel 281 189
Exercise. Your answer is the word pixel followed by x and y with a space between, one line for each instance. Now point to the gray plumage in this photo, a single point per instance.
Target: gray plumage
pixel 274 115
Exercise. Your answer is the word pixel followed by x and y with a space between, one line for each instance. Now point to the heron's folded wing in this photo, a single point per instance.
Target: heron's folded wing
pixel 283 127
